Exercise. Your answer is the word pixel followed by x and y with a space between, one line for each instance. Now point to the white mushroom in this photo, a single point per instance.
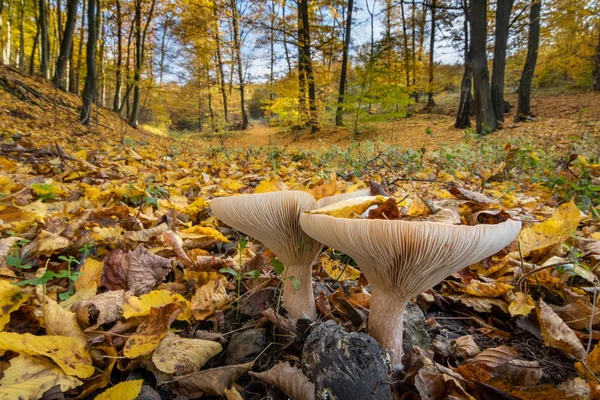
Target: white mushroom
pixel 272 218
pixel 401 259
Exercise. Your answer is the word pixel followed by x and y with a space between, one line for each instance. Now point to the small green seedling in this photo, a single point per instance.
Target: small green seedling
pixel 15 262
pixel 250 274
pixel 279 269
pixel 67 274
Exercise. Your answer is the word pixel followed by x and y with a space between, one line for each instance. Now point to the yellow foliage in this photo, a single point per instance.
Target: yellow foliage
pixel 128 390
pixel 11 298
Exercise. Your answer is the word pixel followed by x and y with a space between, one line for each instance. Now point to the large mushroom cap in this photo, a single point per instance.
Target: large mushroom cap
pixel 409 257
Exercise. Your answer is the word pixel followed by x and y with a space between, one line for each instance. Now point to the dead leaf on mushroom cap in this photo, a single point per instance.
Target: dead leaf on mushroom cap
pixel 290 380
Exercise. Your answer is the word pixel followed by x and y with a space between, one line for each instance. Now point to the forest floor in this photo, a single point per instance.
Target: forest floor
pixel 115 277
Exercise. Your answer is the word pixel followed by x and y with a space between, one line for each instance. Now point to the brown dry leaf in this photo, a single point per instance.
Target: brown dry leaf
pixel 465 347
pixel 522 305
pixel 337 270
pixel 114 272
pixel 556 333
pixel 487 289
pixel 388 210
pixel 103 379
pixel 436 382
pixel 68 353
pixel 495 356
pixel 522 373
pixel 210 297
pixel 575 389
pixel 213 381
pixel 555 229
pixel 50 243
pixel 328 188
pixel 150 332
pixel 464 194
pixel 233 394
pixel 29 377
pixel 592 362
pixel 6 244
pixel 11 298
pixel 145 270
pixel 101 309
pixel 577 311
pixel 176 243
pixel 481 304
pixel 289 379
pixel 542 392
pixel 146 234
pixel 212 263
pixel 91 275
pixel 179 356
pixel 61 322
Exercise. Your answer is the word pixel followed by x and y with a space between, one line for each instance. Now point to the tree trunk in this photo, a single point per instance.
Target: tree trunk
pixel 220 71
pixel 72 88
pixel 463 117
pixel 312 102
pixel 533 41
pixel 119 66
pixel 45 58
pixel 102 59
pixel 503 9
pixel 413 21
pixel 405 40
pixel 34 48
pixel 133 119
pixel 342 92
pixel 285 42
pixel 163 50
pixel 22 37
pixel 430 102
pixel 484 111
pixel 597 69
pixel 80 50
pixel 301 67
pixel 89 89
pixel 238 56
pixel 272 51
pixel 66 45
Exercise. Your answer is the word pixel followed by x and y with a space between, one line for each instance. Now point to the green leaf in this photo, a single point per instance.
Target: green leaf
pixel 277 266
pixel 295 282
pixel 242 243
pixel 64 295
pixel 253 274
pixel 42 280
pixel 64 258
pixel 13 261
pixel 229 271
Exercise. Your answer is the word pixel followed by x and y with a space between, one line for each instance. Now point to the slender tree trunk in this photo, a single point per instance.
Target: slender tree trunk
pixel 484 111
pixel 430 102
pixel 133 119
pixel 413 52
pixel 405 40
pixel 312 101
pixel 220 71
pixel 80 49
pixel 45 58
pixel 119 66
pixel 22 37
pixel 533 41
pixel 340 108
pixel 89 89
pixel 597 69
pixel 272 51
pixel 503 9
pixel 129 86
pixel 285 41
pixel 72 88
pixel 59 20
pixel 163 51
pixel 8 44
pixel 102 59
pixel 36 40
pixel 238 56
pixel 301 67
pixel 66 46
pixel 463 117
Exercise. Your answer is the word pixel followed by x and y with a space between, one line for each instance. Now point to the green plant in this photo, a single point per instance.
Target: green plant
pixel 85 249
pixel 280 269
pixel 250 274
pixel 72 277
pixel 15 262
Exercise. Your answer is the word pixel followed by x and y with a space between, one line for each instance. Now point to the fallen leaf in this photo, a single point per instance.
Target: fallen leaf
pixel 101 309
pixel 272 184
pixel 150 332
pixel 202 232
pixel 465 347
pixel 114 272
pixel 91 275
pixel 209 297
pixel 556 333
pixel 419 208
pixel 103 379
pixel 464 194
pixel 290 380
pixel 176 243
pixel 29 377
pixel 337 270
pixel 213 381
pixel 179 356
pixel 145 270
pixel 139 306
pixel 11 298
pixel 68 353
pixel 146 234
pixel 522 305
pixel 487 289
pixel 128 390
pixel 350 208
pixel 61 322
pixel 233 394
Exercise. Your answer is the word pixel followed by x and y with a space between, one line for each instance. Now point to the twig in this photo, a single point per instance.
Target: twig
pixel 534 271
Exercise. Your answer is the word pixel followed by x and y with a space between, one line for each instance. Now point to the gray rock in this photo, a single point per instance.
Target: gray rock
pixel 345 365
pixel 245 346
pixel 415 333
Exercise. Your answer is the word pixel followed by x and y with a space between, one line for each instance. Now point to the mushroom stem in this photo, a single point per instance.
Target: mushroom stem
pixel 386 320
pixel 299 303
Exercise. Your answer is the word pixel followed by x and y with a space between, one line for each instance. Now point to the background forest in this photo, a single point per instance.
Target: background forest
pixel 213 66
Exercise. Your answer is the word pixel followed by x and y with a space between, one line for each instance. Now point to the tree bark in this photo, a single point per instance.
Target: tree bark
pixel 312 103
pixel 301 67
pixel 272 51
pixel 503 9
pixel 36 40
pixel 238 56
pixel 463 117
pixel 533 41
pixel 484 111
pixel 342 92
pixel 80 50
pixel 66 45
pixel 163 49
pixel 22 37
pixel 137 64
pixel 45 44
pixel 405 40
pixel 413 50
pixel 119 61
pixel 597 69
pixel 89 89
pixel 430 102
pixel 102 58
pixel 285 41
pixel 220 71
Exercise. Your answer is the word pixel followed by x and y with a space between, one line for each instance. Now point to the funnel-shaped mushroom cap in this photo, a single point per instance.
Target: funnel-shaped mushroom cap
pixel 409 257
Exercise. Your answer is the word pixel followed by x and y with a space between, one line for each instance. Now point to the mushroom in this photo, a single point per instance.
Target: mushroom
pixel 272 218
pixel 401 259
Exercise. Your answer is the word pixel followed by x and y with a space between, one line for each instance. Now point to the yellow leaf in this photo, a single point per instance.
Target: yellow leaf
pixel 108 235
pixel 522 305
pixel 67 352
pixel 29 377
pixel 91 273
pixel 329 188
pixel 140 306
pixel 179 356
pixel 93 193
pixel 419 208
pixel 595 235
pixel 50 243
pixel 150 332
pixel 61 322
pixel 232 394
pixel 209 297
pixel 128 390
pixel 338 271
pixel 196 206
pixel 351 208
pixel 556 333
pixel 11 298
pixel 231 185
pixel 487 289
pixel 200 232
pixel 554 230
pixel 272 184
